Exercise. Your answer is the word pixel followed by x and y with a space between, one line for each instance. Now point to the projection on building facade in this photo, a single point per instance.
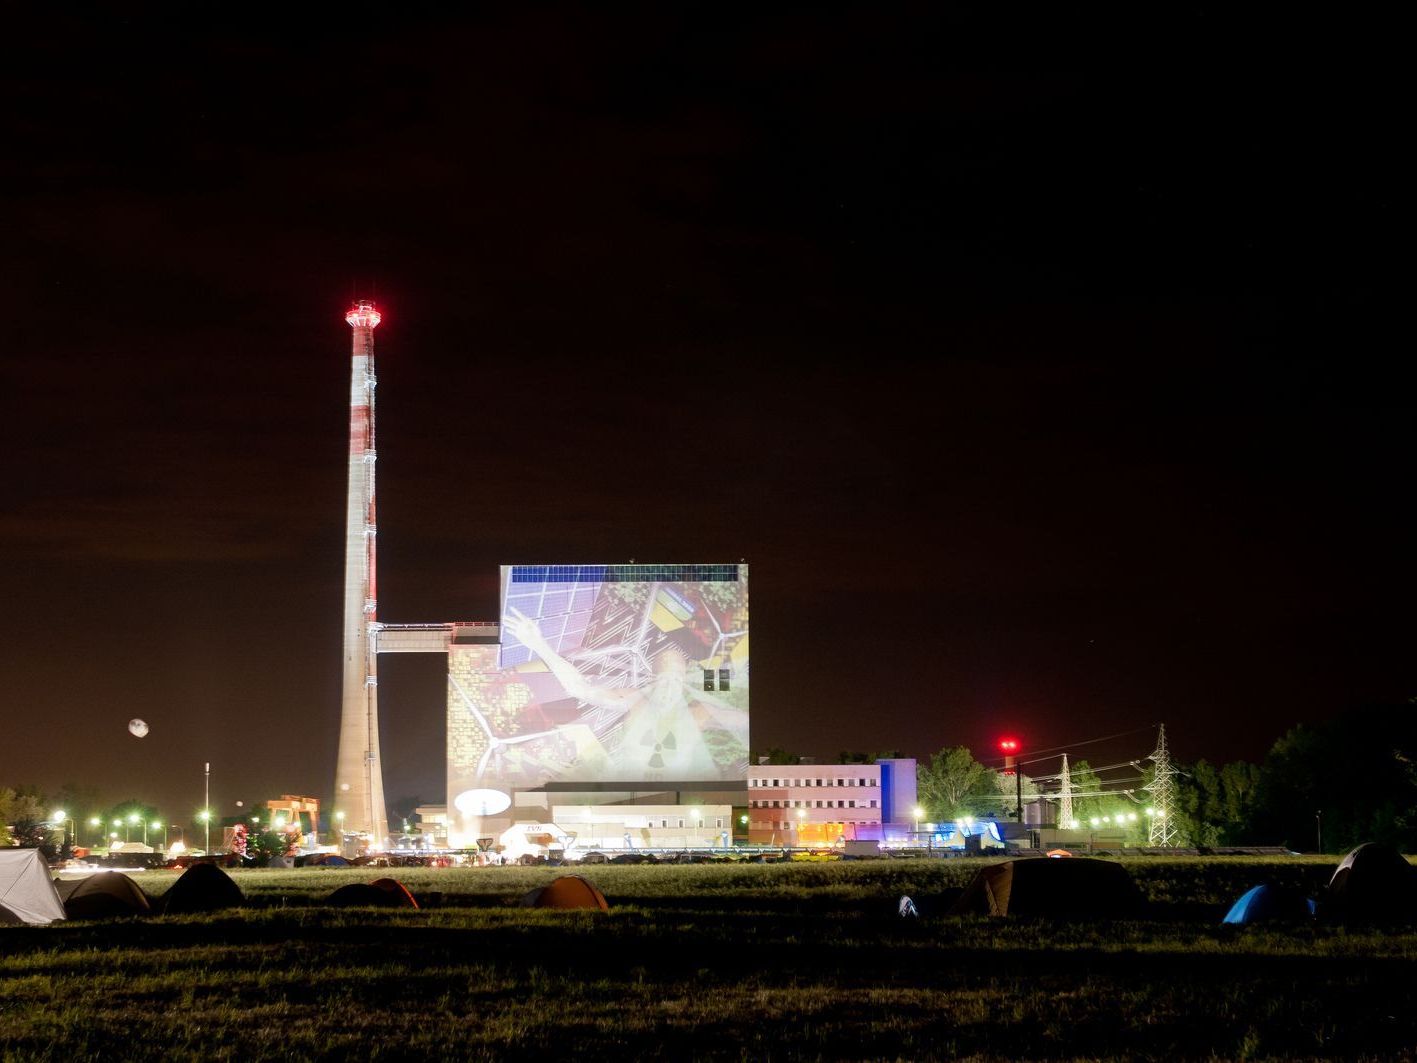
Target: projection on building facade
pixel 605 673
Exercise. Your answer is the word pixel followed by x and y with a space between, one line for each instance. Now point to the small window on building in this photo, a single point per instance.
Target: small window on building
pixel 681 823
pixel 723 677
pixel 708 678
pixel 664 822
pixel 851 804
pixel 718 822
pixel 873 804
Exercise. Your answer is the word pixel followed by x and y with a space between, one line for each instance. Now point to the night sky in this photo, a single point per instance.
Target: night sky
pixel 1049 381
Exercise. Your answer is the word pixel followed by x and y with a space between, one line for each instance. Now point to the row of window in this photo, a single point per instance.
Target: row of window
pixel 624 573
pixel 718 823
pixel 724 675
pixel 841 781
pixel 808 804
pixel 789 825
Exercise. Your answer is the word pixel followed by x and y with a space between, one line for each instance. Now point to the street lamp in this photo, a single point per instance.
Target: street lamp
pixel 206 817
pixel 96 823
pixel 918 813
pixel 62 818
pixel 161 827
pixel 801 818
pixel 133 820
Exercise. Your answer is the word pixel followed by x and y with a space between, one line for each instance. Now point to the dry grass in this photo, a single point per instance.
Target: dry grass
pixel 698 962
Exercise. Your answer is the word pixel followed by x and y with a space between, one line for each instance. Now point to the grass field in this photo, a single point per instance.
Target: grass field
pixel 707 961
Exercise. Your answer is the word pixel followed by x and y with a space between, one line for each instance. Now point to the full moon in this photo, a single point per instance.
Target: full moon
pixel 137 728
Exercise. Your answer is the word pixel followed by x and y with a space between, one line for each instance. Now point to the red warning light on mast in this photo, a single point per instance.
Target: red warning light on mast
pixel 1009 747
pixel 363 315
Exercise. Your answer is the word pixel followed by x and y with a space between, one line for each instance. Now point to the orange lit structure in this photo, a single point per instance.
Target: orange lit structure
pixel 302 812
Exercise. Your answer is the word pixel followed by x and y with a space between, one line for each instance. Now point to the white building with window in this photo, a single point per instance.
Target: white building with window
pixel 824 804
pixel 629 827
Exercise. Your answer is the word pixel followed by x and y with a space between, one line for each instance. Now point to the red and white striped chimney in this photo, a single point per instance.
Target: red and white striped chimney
pixel 359 780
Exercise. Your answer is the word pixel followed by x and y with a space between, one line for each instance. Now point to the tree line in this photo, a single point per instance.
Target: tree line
pixel 1347 780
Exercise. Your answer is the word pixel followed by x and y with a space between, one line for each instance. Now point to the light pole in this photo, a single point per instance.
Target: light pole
pixel 162 827
pixel 62 818
pixel 133 819
pixel 97 825
pixel 206 817
pixel 1010 748
pixel 116 824
pixel 339 828
pixel 918 813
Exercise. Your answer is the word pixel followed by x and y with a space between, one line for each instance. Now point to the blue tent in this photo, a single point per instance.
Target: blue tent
pixel 1271 904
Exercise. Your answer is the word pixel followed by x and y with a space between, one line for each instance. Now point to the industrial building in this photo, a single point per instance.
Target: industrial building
pixel 609 701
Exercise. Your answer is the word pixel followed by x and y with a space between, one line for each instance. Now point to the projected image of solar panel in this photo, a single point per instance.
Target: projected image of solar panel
pixel 561 610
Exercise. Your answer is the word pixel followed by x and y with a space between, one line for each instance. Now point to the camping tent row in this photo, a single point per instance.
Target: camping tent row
pixel 1374 883
pixel 29 895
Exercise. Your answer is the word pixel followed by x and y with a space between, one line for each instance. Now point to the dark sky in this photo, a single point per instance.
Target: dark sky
pixel 1050 380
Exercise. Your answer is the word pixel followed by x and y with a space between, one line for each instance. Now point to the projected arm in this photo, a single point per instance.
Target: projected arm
pixel 529 635
pixel 731 717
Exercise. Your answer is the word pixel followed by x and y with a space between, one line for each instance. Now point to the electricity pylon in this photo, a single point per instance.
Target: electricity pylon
pixel 1161 826
pixel 1065 800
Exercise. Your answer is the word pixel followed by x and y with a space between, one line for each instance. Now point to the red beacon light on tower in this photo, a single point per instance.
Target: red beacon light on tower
pixel 363 315
pixel 1009 747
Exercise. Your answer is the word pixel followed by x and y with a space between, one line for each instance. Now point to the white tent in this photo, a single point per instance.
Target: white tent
pixel 27 894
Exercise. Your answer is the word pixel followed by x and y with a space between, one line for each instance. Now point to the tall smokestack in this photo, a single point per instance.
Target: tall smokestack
pixel 359 778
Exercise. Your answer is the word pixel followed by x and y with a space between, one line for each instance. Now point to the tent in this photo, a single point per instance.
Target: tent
pixel 1373 883
pixel 1041 885
pixel 106 895
pixel 381 893
pixel 27 894
pixel 202 888
pixel 568 891
pixel 1269 903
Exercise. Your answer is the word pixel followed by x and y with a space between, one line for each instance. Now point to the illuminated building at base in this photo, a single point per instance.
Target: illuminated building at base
pixel 616 683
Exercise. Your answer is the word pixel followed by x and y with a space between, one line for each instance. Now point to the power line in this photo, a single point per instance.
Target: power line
pixel 1073 745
